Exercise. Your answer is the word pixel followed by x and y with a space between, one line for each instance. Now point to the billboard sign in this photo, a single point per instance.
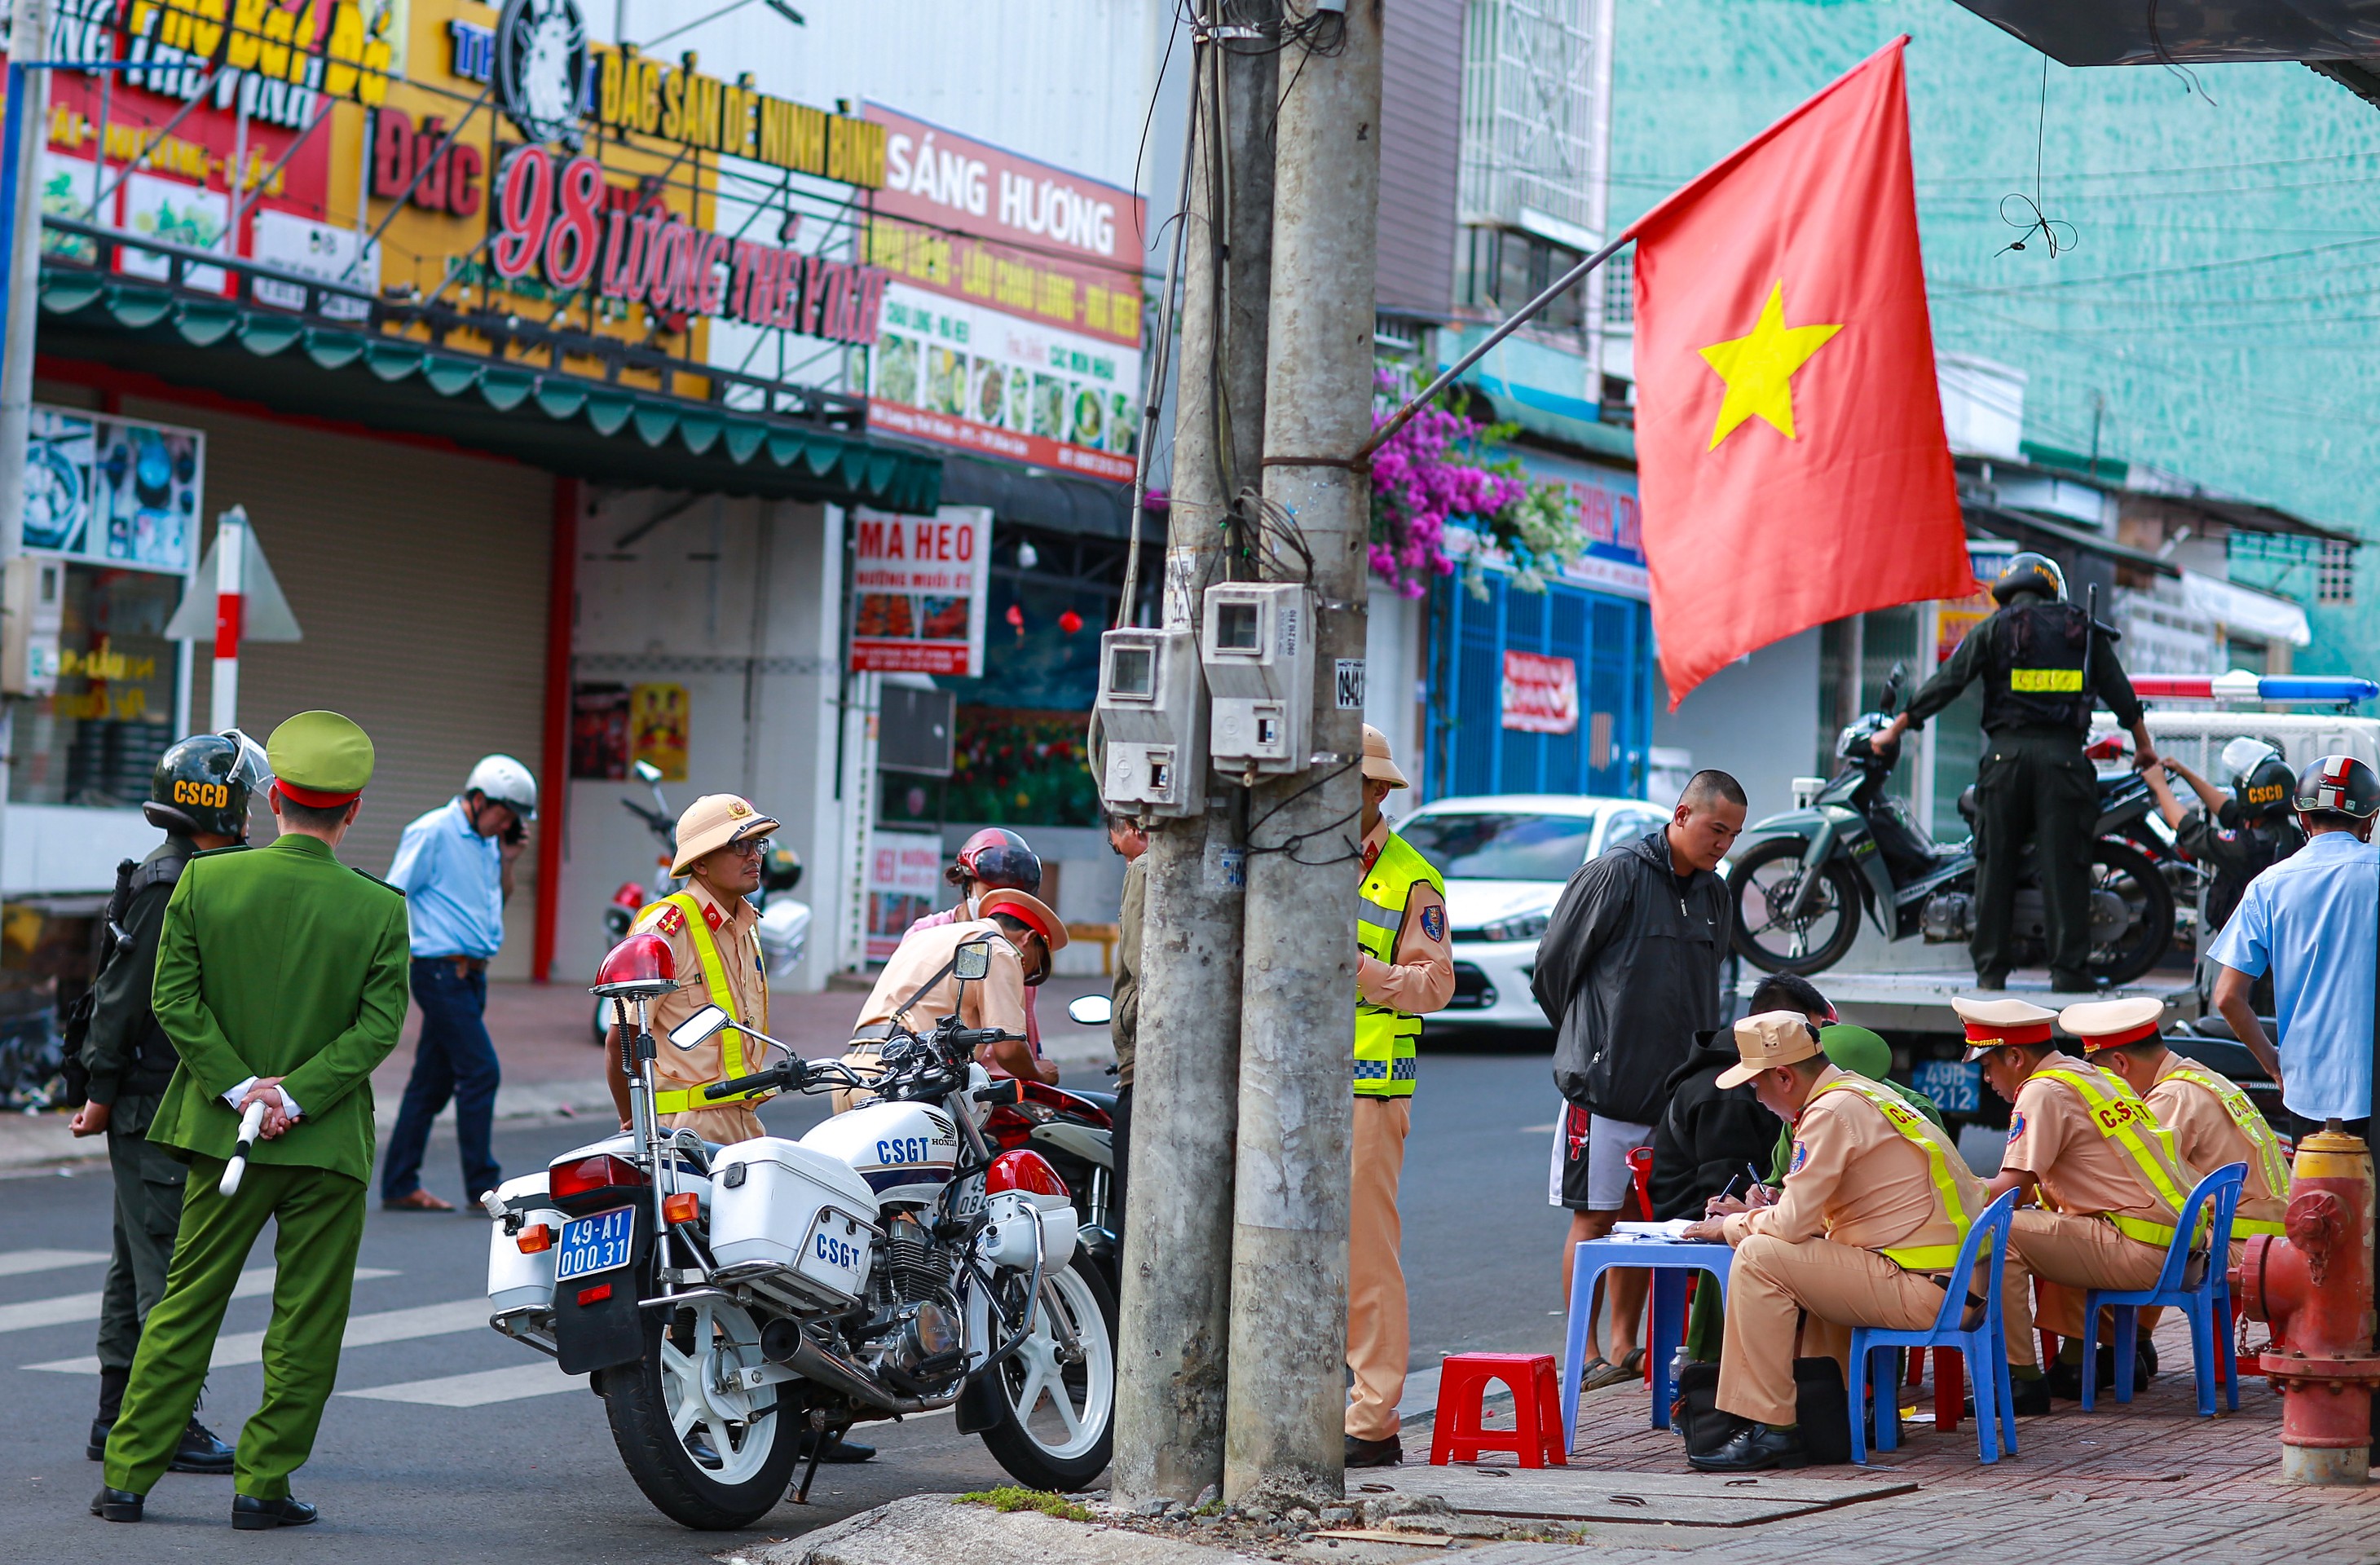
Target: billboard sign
pixel 919 589
pixel 1012 325
pixel 1540 694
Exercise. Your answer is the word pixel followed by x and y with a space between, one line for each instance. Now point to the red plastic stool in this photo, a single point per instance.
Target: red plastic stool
pixel 1462 1434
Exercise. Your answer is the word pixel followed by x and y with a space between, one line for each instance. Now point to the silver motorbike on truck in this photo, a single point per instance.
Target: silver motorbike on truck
pixel 727 1299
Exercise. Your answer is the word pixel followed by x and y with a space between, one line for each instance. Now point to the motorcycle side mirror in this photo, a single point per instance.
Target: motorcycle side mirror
pixel 971 962
pixel 647 772
pixel 1093 1010
pixel 702 1025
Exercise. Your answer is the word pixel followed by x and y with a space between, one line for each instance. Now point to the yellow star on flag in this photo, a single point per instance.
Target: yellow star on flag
pixel 1759 369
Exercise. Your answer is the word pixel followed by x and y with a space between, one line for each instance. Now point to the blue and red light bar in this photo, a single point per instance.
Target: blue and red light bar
pixel 2240 686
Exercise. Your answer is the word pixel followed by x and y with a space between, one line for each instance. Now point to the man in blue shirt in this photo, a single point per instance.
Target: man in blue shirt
pixel 2314 921
pixel 455 866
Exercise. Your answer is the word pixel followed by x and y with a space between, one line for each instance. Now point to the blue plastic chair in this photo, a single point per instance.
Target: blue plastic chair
pixel 1985 1349
pixel 2207 1301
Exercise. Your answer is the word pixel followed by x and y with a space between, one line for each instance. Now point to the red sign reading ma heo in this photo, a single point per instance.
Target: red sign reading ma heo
pixel 1540 694
pixel 917 592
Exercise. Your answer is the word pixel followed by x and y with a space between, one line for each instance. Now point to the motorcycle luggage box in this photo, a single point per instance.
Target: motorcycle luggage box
pixel 518 1281
pixel 596 1322
pixel 794 1214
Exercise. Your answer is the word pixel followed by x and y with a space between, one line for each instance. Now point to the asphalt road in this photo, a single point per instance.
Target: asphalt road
pixel 529 1474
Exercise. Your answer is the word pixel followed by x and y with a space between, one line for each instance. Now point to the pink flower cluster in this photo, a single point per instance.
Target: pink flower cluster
pixel 1421 481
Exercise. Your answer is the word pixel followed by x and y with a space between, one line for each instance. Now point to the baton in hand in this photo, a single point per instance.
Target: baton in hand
pixel 250 1122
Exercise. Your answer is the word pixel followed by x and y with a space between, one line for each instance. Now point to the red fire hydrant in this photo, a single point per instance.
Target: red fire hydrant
pixel 2315 1286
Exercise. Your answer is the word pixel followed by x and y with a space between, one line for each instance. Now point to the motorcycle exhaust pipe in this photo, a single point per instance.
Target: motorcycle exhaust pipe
pixel 782 1341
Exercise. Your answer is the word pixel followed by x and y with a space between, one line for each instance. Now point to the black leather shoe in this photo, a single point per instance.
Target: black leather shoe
pixel 1755 1448
pixel 839 1453
pixel 2027 1399
pixel 249 1515
pixel 116 1505
pixel 1388 1452
pixel 200 1453
pixel 97 1447
pixel 1991 980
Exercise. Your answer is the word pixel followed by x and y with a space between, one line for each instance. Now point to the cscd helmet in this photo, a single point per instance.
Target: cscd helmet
pixel 995 857
pixel 2338 785
pixel 2261 781
pixel 2029 572
pixel 503 781
pixel 203 785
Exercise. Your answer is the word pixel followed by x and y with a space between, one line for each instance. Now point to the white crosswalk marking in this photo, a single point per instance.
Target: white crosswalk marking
pixel 16 1263
pixel 67 1308
pixel 542 1377
pixel 363 1331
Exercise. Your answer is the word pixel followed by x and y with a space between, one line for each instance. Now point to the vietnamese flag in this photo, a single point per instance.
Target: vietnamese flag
pixel 1789 435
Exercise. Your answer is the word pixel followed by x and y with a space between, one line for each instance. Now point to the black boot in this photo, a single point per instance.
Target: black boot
pixel 200 1453
pixel 249 1515
pixel 840 1453
pixel 1388 1452
pixel 116 1505
pixel 2029 1399
pixel 111 1402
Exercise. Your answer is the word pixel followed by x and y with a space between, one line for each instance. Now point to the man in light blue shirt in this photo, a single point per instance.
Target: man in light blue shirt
pixel 2313 921
pixel 455 866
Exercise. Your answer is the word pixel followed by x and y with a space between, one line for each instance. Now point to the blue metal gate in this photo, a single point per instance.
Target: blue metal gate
pixel 1609 637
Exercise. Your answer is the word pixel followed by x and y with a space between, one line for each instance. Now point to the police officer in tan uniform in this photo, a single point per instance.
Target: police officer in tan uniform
pixel 1876 1202
pixel 2212 1124
pixel 713 931
pixel 1020 934
pixel 2085 1143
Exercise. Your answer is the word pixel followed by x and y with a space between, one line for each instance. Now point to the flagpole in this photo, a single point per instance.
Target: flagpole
pixel 1529 312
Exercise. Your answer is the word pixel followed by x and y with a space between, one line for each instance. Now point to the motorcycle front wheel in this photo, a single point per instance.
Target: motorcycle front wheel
pixel 708 1458
pixel 1764 881
pixel 2123 871
pixel 1056 1394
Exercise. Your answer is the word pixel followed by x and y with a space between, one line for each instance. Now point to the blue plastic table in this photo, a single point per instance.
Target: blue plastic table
pixel 1670 1262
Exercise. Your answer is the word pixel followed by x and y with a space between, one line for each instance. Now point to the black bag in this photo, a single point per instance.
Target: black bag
pixel 1823 1409
pixel 1694 1411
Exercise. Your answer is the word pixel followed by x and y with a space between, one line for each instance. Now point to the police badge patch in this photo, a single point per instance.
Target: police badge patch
pixel 1433 922
pixel 1801 1155
pixel 2016 1126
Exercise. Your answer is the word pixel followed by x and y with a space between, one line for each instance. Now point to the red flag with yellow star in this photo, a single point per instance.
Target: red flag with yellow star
pixel 1789 435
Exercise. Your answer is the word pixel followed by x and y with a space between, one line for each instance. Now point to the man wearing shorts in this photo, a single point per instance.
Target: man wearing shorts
pixel 1627 974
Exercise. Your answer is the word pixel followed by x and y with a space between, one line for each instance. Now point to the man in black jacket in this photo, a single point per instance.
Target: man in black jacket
pixel 1627 974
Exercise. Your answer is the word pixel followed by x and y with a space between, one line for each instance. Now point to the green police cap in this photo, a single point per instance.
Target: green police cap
pixel 1858 1050
pixel 319 758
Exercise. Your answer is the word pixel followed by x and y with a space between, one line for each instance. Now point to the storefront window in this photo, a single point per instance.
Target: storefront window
pixel 97 740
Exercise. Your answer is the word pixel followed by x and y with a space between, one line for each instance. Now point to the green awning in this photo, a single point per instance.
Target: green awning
pixel 547 419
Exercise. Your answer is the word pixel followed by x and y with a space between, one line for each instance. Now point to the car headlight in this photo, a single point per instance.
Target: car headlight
pixel 1523 927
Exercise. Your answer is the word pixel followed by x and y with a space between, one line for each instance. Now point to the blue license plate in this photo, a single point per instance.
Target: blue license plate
pixel 1955 1086
pixel 596 1244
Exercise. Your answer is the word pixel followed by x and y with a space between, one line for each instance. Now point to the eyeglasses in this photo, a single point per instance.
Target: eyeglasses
pixel 752 849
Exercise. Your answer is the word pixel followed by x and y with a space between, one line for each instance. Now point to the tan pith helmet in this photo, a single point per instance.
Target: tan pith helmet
pixel 713 821
pixel 1380 763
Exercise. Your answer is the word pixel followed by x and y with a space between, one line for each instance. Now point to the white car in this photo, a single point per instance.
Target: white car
pixel 1505 857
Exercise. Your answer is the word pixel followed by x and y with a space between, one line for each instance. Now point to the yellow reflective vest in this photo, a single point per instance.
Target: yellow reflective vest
pixel 715 979
pixel 2252 1125
pixel 1387 1042
pixel 1912 1126
pixel 2123 1119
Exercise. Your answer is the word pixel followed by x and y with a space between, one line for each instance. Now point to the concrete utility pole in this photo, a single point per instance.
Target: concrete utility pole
pixel 1297 1012
pixel 1175 1317
pixel 28 40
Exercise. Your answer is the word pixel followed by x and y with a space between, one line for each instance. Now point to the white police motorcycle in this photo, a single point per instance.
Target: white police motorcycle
pixel 727 1299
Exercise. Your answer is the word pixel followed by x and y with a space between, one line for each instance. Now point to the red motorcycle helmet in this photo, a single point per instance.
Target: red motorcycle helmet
pixel 996 858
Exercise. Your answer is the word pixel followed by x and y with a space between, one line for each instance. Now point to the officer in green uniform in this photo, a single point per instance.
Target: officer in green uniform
pixel 2044 665
pixel 281 980
pixel 198 798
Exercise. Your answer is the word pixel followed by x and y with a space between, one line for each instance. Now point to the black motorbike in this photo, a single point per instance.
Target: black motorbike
pixel 1854 849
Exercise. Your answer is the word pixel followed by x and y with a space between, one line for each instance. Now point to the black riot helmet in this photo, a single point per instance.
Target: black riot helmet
pixel 2338 785
pixel 203 783
pixel 2029 572
pixel 2262 783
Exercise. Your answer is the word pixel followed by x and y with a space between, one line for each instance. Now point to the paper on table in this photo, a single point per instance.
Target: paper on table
pixel 1674 1229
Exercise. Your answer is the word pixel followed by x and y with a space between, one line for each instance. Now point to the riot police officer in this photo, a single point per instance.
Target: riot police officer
pixel 123 1060
pixel 2043 661
pixel 2238 837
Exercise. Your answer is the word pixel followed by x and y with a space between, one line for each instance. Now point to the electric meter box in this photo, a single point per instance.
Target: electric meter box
pixel 1153 719
pixel 32 611
pixel 1258 650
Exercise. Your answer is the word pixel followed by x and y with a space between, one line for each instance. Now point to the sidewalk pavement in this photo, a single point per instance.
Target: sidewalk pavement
pixel 545 1036
pixel 2141 1484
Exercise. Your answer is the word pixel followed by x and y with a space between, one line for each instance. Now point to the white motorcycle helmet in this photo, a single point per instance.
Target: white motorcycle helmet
pixel 501 780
